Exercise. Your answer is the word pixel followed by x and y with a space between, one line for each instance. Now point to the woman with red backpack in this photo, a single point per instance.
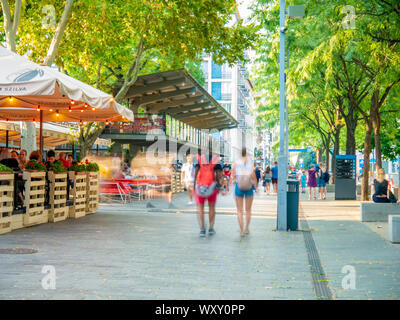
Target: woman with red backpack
pixel 245 181
pixel 208 181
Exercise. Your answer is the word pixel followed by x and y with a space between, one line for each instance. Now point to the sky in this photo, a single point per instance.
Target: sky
pixel 244 10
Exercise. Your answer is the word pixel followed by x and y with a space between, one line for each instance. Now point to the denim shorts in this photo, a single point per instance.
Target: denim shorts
pixel 321 183
pixel 241 193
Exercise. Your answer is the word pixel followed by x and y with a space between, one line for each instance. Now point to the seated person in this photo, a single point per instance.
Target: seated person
pixel 10 161
pixel 380 188
pixel 65 162
pixel 14 154
pixel 51 158
pixel 70 159
pixel 22 159
pixel 35 155
pixel 119 175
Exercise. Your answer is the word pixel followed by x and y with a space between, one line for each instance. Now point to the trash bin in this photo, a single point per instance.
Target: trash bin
pixel 292 204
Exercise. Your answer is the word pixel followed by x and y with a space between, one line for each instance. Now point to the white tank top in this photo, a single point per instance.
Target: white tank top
pixel 244 168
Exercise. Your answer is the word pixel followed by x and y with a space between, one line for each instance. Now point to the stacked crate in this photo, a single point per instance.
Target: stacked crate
pixel 7 201
pixel 176 183
pixel 78 193
pixel 35 182
pixel 92 192
pixel 58 196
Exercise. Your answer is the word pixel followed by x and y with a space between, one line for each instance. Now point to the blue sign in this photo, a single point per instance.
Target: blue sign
pixel 345 156
pixel 298 150
pixel 361 162
pixel 372 160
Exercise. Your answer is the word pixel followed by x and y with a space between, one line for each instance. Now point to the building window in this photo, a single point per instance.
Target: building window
pixel 216 71
pixel 227 106
pixel 204 68
pixel 216 90
pixel 226 72
pixel 226 91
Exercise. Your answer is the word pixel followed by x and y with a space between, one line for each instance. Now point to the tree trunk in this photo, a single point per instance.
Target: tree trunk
pixel 376 125
pixel 327 158
pixel 131 76
pixel 350 139
pixel 367 151
pixel 319 155
pixel 336 150
pixel 83 149
pixel 86 140
pixel 9 26
pixel 55 42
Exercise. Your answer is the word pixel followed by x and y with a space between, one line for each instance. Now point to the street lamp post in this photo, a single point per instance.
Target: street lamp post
pixel 295 12
pixel 282 167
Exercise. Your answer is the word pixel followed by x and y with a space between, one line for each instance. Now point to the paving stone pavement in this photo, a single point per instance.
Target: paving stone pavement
pixel 120 254
pixel 127 252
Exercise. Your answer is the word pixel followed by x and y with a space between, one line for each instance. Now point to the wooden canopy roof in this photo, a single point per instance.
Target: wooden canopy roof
pixel 178 94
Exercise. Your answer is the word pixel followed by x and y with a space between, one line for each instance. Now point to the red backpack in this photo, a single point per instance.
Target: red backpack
pixel 205 180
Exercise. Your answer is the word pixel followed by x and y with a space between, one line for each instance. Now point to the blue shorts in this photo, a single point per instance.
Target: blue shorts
pixel 321 183
pixel 241 193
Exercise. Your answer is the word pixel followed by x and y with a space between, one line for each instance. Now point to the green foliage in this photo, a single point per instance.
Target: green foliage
pixel 333 71
pixel 57 167
pixel 91 166
pixel 4 168
pixel 78 167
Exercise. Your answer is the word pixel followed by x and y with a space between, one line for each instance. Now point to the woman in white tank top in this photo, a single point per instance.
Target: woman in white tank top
pixel 244 179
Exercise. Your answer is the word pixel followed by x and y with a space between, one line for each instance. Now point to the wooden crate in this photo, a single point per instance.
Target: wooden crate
pixel 92 192
pixel 6 201
pixel 78 193
pixel 58 196
pixel 17 221
pixel 35 183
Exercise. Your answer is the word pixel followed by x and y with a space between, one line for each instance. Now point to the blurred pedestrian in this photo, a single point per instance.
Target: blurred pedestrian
pixel 267 180
pixel 312 182
pixel 245 180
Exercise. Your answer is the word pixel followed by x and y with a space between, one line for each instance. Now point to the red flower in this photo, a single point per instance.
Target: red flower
pixel 87 161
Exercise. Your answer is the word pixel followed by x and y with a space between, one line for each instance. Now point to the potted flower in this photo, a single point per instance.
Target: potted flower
pixel 92 166
pixel 78 168
pixel 57 167
pixel 5 170
pixel 34 165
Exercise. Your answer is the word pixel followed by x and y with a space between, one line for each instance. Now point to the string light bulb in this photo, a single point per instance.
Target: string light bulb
pixel 107 123
pixel 86 105
pixel 11 99
pixel 57 114
pixel 51 110
pixel 38 108
pixel 94 109
pixel 72 102
pixel 69 109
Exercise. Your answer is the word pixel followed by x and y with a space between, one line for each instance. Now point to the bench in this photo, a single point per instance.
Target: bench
pixel 394 228
pixel 371 211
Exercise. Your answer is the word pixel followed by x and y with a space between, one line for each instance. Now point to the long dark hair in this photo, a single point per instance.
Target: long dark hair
pixel 268 169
